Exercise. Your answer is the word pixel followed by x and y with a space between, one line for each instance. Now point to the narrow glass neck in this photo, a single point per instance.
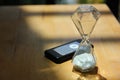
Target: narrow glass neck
pixel 85 37
pixel 85 40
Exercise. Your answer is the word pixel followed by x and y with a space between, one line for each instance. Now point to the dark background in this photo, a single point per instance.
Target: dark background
pixel 113 4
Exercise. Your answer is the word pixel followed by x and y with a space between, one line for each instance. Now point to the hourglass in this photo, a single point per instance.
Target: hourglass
pixel 85 18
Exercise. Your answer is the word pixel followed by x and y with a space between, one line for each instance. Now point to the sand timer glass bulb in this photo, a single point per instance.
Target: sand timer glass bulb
pixel 85 18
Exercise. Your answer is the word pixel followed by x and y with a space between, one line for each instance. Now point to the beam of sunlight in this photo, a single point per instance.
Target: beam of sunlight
pixel 52 26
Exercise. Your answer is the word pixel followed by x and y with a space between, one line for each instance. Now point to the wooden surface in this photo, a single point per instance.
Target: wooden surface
pixel 26 31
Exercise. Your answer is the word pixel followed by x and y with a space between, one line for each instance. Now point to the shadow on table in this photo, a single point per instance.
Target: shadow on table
pixel 92 75
pixel 22 50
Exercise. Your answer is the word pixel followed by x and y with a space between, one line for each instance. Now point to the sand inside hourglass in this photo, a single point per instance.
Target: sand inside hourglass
pixel 84 61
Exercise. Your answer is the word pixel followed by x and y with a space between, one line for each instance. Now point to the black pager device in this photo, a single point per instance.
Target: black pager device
pixel 63 52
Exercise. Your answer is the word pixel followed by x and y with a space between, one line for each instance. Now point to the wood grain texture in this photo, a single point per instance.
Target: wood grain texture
pixel 26 31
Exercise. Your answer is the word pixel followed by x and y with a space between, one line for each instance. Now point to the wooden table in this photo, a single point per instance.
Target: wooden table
pixel 26 31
